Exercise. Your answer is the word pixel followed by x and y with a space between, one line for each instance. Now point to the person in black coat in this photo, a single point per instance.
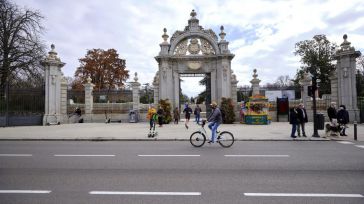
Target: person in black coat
pixel 302 119
pixel 293 120
pixel 331 111
pixel 343 118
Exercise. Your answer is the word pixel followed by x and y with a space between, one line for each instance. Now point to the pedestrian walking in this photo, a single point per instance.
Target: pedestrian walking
pixel 176 115
pixel 197 113
pixel 160 116
pixel 302 119
pixel 293 120
pixel 188 112
pixel 343 119
pixel 242 112
pixel 331 111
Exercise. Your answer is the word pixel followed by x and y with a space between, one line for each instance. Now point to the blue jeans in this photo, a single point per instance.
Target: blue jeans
pixel 294 128
pixel 213 127
pixel 198 118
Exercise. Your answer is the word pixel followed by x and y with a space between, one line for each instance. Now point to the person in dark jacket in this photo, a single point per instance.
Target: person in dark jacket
pixel 187 112
pixel 331 111
pixel 302 119
pixel 293 120
pixel 197 113
pixel 215 120
pixel 160 116
pixel 343 119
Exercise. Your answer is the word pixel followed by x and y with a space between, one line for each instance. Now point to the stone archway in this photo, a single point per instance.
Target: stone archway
pixel 194 50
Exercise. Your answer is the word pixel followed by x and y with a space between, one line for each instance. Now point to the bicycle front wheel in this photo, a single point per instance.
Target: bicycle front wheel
pixel 226 139
pixel 197 139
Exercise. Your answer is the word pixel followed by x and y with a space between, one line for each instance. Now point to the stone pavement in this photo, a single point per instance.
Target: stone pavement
pixel 279 131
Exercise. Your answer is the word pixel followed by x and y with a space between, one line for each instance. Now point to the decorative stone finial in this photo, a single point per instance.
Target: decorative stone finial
pixel 53 54
pixel 255 75
pixel 345 37
pixel 346 44
pixel 165 36
pixel 89 80
pixel 136 77
pixel 222 33
pixel 193 13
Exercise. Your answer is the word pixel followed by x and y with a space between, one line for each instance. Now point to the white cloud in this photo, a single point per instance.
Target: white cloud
pixel 134 28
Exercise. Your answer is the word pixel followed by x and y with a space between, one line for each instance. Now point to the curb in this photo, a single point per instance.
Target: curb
pixel 155 139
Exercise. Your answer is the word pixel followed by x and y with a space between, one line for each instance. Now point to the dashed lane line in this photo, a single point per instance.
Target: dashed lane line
pixel 25 191
pixel 360 146
pixel 84 155
pixel 345 142
pixel 143 193
pixel 304 195
pixel 169 155
pixel 252 155
pixel 16 155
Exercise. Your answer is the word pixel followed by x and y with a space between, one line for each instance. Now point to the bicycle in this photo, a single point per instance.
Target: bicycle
pixel 224 138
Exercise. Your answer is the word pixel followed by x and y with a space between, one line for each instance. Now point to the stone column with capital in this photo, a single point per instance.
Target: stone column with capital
pixel 64 99
pixel 305 83
pixel 255 83
pixel 89 100
pixel 136 89
pixel 346 77
pixel 53 76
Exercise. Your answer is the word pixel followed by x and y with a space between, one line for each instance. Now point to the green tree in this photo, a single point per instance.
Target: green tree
pixel 227 110
pixel 21 48
pixel 316 57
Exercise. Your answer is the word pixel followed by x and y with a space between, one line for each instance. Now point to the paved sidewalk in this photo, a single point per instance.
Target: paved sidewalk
pixel 138 131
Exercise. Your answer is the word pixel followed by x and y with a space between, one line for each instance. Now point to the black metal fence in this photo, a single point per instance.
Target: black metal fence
pixel 22 106
pixel 361 108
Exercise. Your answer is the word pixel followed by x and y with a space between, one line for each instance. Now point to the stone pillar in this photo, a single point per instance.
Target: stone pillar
pixel 255 83
pixel 89 100
pixel 156 88
pixel 136 88
pixel 346 76
pixel 305 82
pixel 53 75
pixel 64 99
pixel 234 89
pixel 334 88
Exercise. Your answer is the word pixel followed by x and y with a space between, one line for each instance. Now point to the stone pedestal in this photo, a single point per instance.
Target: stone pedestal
pixel 89 100
pixel 255 83
pixel 346 78
pixel 53 76
pixel 305 82
pixel 136 89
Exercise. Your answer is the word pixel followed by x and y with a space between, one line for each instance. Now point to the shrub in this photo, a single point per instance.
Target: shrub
pixel 227 110
pixel 166 106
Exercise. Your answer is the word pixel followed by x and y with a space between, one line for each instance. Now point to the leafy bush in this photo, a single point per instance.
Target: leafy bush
pixel 166 106
pixel 227 110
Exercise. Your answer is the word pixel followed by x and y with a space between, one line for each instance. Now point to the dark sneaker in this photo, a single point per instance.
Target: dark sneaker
pixel 293 136
pixel 304 135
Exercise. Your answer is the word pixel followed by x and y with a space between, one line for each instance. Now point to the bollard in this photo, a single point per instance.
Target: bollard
pixel 355 130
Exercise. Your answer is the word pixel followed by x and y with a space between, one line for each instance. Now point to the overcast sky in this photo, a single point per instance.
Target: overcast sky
pixel 262 33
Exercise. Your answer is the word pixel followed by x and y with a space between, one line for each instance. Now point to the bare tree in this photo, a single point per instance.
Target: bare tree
pixel 283 81
pixel 20 46
pixel 360 64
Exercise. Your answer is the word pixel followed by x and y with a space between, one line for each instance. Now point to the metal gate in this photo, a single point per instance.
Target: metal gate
pixel 361 108
pixel 22 106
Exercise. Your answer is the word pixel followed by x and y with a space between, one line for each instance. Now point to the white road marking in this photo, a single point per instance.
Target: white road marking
pixel 360 146
pixel 84 155
pixel 141 193
pixel 25 191
pixel 170 155
pixel 16 155
pixel 345 142
pixel 252 155
pixel 304 195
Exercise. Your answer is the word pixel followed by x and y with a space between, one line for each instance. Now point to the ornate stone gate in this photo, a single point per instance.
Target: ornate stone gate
pixel 194 50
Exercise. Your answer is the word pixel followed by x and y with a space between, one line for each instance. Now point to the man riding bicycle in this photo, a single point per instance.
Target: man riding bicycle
pixel 215 120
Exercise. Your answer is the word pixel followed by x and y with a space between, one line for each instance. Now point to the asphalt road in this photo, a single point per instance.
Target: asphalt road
pixel 175 172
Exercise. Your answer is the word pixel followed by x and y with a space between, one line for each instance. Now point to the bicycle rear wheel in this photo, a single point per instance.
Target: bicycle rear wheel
pixel 226 139
pixel 197 139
